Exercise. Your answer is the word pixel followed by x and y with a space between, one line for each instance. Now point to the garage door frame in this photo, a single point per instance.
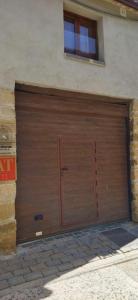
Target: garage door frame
pixel 62 93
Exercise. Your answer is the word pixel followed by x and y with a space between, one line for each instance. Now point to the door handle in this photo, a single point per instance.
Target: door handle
pixel 64 169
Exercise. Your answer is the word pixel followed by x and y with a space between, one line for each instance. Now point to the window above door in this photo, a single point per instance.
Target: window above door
pixel 80 36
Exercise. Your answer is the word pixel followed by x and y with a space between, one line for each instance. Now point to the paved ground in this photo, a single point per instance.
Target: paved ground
pixel 95 263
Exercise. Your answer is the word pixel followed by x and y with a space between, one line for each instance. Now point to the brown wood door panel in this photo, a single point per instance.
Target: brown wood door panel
pixel 38 178
pixel 112 181
pixel 27 233
pixel 69 105
pixel 77 181
pixel 86 138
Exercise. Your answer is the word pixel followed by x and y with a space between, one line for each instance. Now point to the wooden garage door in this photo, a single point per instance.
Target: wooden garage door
pixel 72 164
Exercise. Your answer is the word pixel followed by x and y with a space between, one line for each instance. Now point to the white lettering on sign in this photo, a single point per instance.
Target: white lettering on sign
pixel 39 233
pixel 7 168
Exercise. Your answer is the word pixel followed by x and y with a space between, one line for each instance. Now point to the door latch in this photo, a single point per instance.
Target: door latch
pixel 64 169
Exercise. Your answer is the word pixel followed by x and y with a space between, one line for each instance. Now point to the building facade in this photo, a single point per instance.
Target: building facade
pixel 68 116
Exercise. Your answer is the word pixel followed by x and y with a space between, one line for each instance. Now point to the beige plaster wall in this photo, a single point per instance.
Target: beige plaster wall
pixel 32 50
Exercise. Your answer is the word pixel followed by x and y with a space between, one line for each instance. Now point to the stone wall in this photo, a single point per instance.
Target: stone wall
pixel 7 189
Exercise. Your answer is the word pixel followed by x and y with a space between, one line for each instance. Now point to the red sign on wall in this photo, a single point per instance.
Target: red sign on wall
pixel 7 168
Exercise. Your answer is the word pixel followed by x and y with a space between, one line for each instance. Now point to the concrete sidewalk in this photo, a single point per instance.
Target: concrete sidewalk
pixel 94 263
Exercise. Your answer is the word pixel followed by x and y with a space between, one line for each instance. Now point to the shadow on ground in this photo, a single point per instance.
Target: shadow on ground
pixel 38 263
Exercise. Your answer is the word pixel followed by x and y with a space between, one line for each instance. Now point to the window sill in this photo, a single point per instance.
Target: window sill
pixel 84 59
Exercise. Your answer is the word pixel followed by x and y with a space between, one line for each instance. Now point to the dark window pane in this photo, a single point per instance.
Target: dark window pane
pixel 80 36
pixel 84 39
pixel 92 45
pixel 69 36
pixel 87 43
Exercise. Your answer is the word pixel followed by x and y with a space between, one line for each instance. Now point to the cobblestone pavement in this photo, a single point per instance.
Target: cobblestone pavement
pixel 85 264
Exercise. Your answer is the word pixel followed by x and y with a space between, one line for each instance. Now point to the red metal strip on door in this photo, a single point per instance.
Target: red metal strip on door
pixel 96 179
pixel 61 180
